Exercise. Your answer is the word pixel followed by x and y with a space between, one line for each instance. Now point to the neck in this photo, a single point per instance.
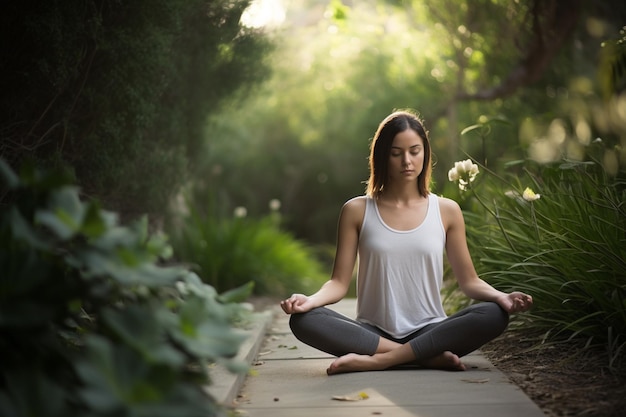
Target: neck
pixel 401 193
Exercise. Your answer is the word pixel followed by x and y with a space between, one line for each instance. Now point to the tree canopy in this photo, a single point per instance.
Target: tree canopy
pixel 139 99
pixel 517 70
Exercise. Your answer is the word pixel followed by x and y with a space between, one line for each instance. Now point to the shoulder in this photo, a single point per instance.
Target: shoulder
pixel 354 209
pixel 355 205
pixel 448 204
pixel 450 211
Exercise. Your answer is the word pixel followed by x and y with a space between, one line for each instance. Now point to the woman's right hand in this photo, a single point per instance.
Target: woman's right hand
pixel 297 303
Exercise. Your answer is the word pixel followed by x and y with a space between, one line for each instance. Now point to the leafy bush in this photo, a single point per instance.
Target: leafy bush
pixel 564 244
pixel 232 251
pixel 120 90
pixel 90 323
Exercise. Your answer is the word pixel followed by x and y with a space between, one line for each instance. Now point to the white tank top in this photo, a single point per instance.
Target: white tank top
pixel 400 273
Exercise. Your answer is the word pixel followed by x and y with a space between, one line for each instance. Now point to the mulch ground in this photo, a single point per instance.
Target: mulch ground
pixel 565 379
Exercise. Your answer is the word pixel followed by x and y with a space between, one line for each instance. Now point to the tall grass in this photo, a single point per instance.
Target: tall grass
pixel 567 248
pixel 230 252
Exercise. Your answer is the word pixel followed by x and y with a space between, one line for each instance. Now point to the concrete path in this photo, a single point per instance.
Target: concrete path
pixel 289 378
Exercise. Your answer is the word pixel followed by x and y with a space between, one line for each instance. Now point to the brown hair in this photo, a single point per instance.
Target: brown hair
pixel 380 149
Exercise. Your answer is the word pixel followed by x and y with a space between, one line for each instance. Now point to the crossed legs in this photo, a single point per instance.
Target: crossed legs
pixel 361 347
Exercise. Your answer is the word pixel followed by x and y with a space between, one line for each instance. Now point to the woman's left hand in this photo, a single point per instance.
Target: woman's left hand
pixel 516 302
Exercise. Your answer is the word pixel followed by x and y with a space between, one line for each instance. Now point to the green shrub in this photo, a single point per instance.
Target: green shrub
pixel 565 245
pixel 121 90
pixel 230 252
pixel 90 323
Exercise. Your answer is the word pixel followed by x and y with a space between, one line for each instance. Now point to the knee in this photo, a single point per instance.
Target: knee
pixel 294 322
pixel 306 326
pixel 492 319
pixel 300 322
pixel 498 318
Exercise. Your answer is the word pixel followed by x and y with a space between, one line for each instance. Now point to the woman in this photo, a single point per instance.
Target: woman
pixel 399 231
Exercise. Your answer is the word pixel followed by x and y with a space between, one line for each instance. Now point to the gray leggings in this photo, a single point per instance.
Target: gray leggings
pixel 461 333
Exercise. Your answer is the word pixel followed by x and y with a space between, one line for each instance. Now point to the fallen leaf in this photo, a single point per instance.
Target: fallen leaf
pixel 287 347
pixel 358 397
pixel 476 381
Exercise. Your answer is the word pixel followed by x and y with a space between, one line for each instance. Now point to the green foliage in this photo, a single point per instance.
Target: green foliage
pixel 304 138
pixel 567 247
pixel 120 90
pixel 229 252
pixel 340 67
pixel 91 324
pixel 339 10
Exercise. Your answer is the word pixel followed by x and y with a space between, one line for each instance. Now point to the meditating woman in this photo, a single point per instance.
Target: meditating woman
pixel 399 230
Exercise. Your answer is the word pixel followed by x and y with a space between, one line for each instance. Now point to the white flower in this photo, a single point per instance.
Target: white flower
pixel 274 204
pixel 529 195
pixel 464 172
pixel 453 175
pixel 240 212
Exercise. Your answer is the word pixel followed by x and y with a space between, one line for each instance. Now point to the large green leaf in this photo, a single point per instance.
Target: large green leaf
pixel 138 327
pixel 98 264
pixel 237 295
pixel 94 221
pixel 117 382
pixel 204 330
pixel 115 377
pixel 145 331
pixel 65 213
pixel 22 230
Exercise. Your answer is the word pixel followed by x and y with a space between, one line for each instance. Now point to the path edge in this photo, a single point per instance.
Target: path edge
pixel 225 385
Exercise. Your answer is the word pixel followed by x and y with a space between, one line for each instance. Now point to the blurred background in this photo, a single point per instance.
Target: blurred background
pixel 261 112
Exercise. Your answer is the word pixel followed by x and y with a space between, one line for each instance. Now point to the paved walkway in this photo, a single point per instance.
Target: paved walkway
pixel 289 378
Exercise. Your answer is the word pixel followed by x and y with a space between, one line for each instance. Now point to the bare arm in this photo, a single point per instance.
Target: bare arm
pixel 463 267
pixel 337 286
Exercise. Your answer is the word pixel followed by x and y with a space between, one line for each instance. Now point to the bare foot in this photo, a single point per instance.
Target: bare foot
pixel 447 361
pixel 353 362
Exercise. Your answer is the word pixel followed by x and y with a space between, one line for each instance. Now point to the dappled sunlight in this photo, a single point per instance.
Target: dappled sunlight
pixel 583 131
pixel 264 13
pixel 331 44
pixel 617 113
pixel 549 147
pixel 339 66
pixel 572 138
